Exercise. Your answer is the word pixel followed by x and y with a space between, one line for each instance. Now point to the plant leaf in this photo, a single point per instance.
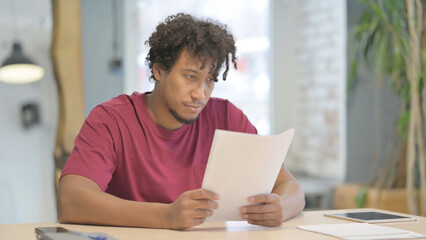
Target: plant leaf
pixel 361 197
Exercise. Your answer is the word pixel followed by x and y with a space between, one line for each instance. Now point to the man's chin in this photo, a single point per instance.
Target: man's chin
pixel 182 119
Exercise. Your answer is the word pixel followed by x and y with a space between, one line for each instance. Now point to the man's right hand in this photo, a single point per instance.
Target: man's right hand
pixel 192 208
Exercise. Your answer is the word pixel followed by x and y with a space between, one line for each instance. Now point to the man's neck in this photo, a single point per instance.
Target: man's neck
pixel 159 112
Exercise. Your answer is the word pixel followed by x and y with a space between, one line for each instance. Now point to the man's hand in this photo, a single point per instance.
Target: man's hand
pixel 267 212
pixel 192 208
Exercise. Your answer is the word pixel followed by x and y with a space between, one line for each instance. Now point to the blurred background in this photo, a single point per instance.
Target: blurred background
pixel 293 61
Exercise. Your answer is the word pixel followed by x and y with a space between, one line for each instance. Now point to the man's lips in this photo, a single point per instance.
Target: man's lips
pixel 194 108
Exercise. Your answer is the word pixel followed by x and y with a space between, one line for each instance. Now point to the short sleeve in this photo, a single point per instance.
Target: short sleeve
pixel 94 155
pixel 238 121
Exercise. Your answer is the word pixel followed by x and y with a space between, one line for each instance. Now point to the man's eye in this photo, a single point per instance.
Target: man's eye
pixel 190 76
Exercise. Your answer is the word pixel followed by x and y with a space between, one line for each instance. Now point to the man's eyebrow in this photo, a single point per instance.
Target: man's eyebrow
pixel 190 70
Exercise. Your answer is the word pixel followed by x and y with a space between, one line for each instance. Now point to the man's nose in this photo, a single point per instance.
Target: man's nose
pixel 198 92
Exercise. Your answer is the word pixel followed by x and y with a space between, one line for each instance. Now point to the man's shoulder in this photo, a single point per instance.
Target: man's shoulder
pixel 225 115
pixel 219 102
pixel 123 99
pixel 216 104
pixel 118 106
pixel 220 108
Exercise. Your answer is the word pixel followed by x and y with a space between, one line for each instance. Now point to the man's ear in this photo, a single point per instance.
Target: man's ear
pixel 157 70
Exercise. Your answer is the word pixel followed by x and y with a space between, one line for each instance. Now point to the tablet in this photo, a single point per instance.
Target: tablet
pixel 371 217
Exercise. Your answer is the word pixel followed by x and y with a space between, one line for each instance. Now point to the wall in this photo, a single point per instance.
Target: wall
pixel 101 81
pixel 26 156
pixel 370 114
pixel 309 79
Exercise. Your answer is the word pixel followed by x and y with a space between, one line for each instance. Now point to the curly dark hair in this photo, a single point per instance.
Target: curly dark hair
pixel 201 38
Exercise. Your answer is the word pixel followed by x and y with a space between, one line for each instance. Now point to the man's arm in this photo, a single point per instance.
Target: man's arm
pixel 80 200
pixel 286 200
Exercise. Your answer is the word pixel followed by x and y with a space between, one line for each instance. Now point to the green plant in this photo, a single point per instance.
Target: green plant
pixel 390 38
pixel 361 197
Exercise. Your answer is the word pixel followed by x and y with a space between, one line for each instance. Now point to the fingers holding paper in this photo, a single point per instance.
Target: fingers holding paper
pixel 268 210
pixel 192 208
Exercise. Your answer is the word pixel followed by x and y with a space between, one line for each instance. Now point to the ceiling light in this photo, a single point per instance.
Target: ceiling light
pixel 19 69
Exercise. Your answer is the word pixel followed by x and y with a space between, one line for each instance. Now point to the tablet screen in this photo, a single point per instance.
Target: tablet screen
pixel 371 216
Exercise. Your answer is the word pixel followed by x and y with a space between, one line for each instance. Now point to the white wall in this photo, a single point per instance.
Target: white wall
pixel 131 46
pixel 101 82
pixel 309 83
pixel 26 156
pixel 27 192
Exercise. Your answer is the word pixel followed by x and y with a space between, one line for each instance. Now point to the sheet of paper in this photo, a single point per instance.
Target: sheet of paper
pixel 365 231
pixel 241 165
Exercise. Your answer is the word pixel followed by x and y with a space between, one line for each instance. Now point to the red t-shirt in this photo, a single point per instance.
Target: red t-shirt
pixel 123 150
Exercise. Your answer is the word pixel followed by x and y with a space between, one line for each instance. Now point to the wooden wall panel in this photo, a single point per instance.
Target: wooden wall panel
pixel 68 68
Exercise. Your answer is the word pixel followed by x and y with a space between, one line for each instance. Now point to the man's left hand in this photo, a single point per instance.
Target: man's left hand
pixel 268 210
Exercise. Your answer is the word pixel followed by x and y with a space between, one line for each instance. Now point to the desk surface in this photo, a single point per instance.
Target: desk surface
pixel 211 230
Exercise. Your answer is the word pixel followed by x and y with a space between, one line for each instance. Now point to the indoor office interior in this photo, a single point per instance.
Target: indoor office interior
pixel 295 70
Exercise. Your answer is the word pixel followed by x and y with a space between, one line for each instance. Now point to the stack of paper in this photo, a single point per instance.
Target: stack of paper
pixel 241 165
pixel 365 231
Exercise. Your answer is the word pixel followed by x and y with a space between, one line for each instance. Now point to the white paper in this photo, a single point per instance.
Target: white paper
pixel 365 231
pixel 241 165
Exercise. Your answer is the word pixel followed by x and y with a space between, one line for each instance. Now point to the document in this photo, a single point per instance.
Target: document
pixel 365 231
pixel 241 165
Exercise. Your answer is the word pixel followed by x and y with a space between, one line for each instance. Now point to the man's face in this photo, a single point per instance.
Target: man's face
pixel 186 89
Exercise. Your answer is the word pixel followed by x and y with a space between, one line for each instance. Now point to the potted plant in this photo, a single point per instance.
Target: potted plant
pixel 391 39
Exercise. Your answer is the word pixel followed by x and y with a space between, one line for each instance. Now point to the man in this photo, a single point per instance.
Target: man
pixel 139 160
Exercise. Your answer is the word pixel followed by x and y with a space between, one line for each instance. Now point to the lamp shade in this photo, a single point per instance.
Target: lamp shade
pixel 18 69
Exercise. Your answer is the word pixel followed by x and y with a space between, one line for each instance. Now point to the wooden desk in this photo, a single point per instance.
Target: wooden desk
pixel 210 230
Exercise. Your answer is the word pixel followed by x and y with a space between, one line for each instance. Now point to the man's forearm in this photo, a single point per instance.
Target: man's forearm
pixel 292 198
pixel 88 205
